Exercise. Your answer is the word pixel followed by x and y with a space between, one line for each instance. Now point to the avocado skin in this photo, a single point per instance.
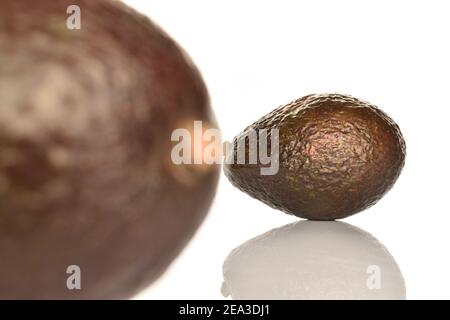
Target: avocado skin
pixel 337 156
pixel 86 176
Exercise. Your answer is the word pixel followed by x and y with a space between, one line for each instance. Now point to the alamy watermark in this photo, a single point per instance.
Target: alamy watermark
pixel 198 145
pixel 74 280
pixel 73 22
pixel 374 280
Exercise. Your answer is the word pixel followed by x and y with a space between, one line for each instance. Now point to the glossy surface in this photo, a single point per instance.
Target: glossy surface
pixel 313 260
pixel 337 156
pixel 86 177
pixel 288 49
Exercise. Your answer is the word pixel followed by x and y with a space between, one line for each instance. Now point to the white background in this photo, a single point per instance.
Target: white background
pixel 256 55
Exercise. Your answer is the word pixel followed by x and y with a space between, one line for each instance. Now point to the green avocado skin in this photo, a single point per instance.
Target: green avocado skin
pixel 338 155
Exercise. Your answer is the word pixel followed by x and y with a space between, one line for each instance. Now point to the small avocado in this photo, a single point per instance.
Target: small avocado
pixel 91 205
pixel 337 155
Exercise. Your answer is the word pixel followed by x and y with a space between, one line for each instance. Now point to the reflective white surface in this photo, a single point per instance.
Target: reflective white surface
pixel 256 55
pixel 312 260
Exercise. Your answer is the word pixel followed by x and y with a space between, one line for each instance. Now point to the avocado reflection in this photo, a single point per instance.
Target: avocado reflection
pixel 312 260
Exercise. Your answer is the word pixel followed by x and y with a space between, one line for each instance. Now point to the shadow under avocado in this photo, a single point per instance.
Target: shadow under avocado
pixel 312 260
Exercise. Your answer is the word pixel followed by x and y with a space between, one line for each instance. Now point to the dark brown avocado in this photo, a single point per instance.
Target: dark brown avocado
pixel 86 177
pixel 337 156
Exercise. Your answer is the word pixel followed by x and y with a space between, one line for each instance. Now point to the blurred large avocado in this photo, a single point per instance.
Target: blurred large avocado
pixel 86 177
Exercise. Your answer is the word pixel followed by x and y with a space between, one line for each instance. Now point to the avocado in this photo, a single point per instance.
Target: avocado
pixel 91 205
pixel 313 260
pixel 337 155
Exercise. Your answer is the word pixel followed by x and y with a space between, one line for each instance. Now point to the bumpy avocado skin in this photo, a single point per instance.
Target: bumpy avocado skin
pixel 337 156
pixel 86 176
